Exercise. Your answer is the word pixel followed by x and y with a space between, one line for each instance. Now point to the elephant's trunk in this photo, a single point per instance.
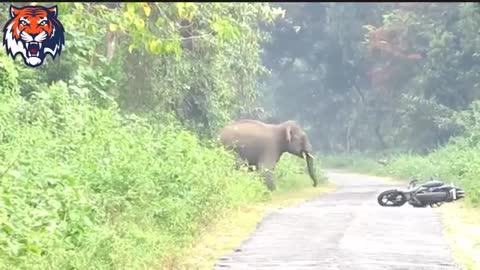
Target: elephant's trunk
pixel 311 169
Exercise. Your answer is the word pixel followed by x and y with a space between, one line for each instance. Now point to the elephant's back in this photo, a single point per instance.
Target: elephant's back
pixel 250 139
pixel 245 130
pixel 248 136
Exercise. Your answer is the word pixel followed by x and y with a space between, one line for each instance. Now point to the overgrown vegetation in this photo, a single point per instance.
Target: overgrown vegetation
pixel 107 154
pixel 84 186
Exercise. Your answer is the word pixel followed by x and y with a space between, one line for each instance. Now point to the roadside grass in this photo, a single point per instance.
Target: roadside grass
pixel 462 231
pixel 84 187
pixel 235 224
pixel 355 163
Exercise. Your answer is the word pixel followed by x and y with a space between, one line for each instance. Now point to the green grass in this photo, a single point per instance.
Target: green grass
pixel 462 231
pixel 291 174
pixel 357 163
pixel 86 188
pixel 83 187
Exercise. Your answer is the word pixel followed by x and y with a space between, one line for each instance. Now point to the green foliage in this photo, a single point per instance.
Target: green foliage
pixel 374 77
pixel 98 167
pixel 354 161
pixel 83 186
pixel 197 61
pixel 291 173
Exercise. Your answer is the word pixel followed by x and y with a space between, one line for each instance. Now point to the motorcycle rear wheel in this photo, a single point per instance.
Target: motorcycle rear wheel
pixel 391 198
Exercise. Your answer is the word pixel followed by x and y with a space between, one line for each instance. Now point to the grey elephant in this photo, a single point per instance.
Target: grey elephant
pixel 262 145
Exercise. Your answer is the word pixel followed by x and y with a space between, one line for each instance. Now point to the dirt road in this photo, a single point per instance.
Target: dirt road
pixel 345 230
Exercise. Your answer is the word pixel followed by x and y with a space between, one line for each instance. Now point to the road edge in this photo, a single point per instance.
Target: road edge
pixel 225 234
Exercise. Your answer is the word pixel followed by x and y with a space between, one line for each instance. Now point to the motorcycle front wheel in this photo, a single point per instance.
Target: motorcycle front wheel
pixel 391 198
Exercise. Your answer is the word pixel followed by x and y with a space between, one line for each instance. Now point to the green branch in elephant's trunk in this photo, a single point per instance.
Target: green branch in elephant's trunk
pixel 311 170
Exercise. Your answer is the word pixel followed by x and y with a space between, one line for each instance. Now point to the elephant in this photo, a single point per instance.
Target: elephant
pixel 262 145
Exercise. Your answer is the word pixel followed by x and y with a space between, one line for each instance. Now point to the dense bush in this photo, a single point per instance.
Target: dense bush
pixel 83 184
pixel 84 187
pixel 356 161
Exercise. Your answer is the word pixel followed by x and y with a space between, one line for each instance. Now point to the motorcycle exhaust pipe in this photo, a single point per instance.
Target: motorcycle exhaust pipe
pixel 433 197
pixel 460 193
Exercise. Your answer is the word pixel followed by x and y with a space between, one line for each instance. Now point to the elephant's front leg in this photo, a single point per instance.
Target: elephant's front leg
pixel 267 167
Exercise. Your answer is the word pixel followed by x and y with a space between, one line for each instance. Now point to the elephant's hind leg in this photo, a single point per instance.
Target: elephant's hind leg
pixel 241 163
pixel 267 169
pixel 269 179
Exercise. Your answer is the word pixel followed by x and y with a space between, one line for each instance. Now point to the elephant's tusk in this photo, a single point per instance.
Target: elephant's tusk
pixel 304 156
pixel 311 156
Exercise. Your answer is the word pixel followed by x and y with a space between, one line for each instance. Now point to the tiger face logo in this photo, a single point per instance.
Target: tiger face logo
pixel 33 32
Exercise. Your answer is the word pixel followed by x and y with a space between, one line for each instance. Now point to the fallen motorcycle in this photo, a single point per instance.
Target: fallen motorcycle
pixel 432 193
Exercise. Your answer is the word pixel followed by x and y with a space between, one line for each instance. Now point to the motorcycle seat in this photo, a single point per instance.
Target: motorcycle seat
pixel 433 183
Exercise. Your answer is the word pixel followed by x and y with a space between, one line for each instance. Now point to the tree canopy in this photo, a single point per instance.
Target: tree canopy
pixel 376 76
